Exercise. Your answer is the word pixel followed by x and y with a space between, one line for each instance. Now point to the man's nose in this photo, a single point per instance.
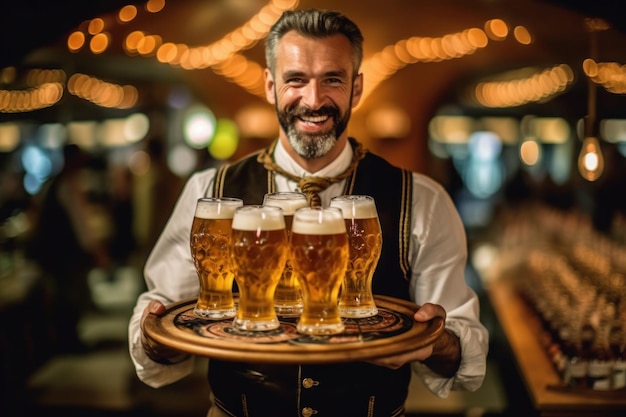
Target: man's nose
pixel 312 95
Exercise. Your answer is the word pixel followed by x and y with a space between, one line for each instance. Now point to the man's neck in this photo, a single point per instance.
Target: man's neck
pixel 314 165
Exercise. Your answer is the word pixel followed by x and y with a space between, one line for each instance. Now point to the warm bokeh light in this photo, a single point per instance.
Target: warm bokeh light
pixel 257 122
pixel 99 43
pixel 523 86
pixel 102 93
pixel 496 29
pixel 522 35
pixel 76 41
pixel 388 121
pixel 507 128
pixel 167 53
pixel 127 13
pixel 225 58
pixel 392 58
pixel 110 133
pixel 132 40
pixel 451 129
pixel 136 127
pixel 95 26
pixel 590 159
pixel 530 152
pixel 483 257
pixel 7 75
pixel 9 136
pixel 19 101
pixel 37 77
pixel 155 6
pixel 148 45
pixel 553 130
pixel 610 75
pixel 82 133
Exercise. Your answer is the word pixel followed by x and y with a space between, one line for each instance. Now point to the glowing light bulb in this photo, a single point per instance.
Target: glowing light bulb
pixel 590 159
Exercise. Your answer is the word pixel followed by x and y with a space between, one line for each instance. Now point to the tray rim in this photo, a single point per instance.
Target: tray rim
pixel 162 329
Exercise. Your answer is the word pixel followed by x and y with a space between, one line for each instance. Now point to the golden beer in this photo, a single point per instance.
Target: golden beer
pixel 366 241
pixel 319 255
pixel 209 242
pixel 288 296
pixel 259 252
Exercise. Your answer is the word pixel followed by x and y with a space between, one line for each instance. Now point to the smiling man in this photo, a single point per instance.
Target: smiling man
pixel 313 59
pixel 314 85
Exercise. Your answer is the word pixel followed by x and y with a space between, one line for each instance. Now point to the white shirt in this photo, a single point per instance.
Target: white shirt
pixel 437 254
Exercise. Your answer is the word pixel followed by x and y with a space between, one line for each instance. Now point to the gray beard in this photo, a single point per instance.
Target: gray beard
pixel 311 147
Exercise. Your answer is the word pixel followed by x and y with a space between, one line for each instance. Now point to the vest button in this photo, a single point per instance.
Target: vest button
pixel 309 383
pixel 308 412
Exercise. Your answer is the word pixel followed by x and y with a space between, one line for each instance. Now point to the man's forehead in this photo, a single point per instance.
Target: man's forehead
pixel 332 53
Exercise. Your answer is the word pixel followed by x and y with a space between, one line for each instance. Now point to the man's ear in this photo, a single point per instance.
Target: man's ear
pixel 357 90
pixel 270 94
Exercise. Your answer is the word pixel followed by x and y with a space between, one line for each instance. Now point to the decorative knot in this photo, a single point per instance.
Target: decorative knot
pixel 311 186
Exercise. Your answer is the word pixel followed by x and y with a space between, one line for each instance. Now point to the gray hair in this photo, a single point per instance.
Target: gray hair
pixel 314 23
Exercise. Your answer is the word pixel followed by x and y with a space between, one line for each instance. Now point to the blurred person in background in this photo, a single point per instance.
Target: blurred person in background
pixel 66 245
pixel 122 241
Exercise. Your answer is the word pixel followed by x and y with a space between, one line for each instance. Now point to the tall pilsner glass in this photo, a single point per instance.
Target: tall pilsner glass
pixel 288 297
pixel 366 241
pixel 319 256
pixel 259 252
pixel 210 250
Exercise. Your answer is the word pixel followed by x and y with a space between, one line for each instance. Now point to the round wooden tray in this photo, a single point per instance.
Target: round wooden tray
pixel 392 331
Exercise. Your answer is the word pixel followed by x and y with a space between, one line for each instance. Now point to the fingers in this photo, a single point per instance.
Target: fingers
pixel 429 311
pixel 154 307
pixel 426 312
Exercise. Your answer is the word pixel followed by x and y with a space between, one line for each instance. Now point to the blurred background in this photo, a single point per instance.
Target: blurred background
pixel 107 106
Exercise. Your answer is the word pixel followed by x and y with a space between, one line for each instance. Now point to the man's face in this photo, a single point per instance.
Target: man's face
pixel 314 91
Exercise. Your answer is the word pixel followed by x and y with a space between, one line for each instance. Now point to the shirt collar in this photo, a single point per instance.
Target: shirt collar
pixel 336 167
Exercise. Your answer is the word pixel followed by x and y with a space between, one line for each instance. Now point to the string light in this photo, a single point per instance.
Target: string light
pixel 590 159
pixel 531 85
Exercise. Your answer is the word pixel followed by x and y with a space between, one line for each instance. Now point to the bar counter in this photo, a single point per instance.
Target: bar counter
pixel 548 395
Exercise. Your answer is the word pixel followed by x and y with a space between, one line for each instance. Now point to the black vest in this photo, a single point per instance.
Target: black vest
pixel 337 390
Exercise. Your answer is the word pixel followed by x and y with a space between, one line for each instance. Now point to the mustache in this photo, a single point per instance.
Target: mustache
pixel 295 111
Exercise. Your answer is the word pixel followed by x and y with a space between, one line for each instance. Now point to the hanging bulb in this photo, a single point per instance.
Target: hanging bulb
pixel 590 159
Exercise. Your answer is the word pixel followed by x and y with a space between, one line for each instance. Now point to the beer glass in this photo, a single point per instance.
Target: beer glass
pixel 259 252
pixel 319 257
pixel 288 297
pixel 210 250
pixel 366 241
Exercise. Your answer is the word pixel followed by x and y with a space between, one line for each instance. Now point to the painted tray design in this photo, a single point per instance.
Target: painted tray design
pixel 392 331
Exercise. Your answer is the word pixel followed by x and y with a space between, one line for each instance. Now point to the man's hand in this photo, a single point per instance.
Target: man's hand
pixel 442 356
pixel 156 351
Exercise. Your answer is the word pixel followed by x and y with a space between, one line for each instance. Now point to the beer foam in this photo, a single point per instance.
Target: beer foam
pixel 356 208
pixel 224 210
pixel 254 218
pixel 289 206
pixel 309 222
